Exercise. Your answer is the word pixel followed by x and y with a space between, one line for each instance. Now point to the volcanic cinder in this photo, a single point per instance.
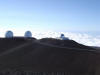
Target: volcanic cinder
pixel 48 55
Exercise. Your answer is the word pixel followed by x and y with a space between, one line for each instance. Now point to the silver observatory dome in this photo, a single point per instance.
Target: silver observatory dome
pixel 9 34
pixel 63 37
pixel 28 34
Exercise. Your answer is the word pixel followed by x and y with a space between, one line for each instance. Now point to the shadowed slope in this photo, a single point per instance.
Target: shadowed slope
pixel 65 43
pixel 33 55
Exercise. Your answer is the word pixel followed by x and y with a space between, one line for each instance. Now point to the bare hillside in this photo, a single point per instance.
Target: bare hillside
pixel 29 54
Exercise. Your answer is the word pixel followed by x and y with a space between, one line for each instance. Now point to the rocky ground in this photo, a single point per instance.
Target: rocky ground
pixel 47 56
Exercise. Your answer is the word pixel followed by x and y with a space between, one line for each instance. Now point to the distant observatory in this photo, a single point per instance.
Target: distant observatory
pixel 28 34
pixel 9 34
pixel 63 37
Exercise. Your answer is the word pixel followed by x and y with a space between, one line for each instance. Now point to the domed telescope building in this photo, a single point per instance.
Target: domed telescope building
pixel 62 37
pixel 28 34
pixel 9 34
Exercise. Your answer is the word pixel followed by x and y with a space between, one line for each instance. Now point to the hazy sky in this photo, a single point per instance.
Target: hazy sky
pixel 51 15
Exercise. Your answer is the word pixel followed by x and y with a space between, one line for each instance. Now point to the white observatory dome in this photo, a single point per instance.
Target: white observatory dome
pixel 63 37
pixel 28 34
pixel 9 34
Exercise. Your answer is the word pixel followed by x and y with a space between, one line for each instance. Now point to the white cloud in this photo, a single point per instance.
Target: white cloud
pixel 78 37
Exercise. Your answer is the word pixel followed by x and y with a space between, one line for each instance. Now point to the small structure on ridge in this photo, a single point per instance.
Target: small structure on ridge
pixel 62 37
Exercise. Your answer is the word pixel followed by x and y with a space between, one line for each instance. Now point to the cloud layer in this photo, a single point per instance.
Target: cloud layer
pixel 80 38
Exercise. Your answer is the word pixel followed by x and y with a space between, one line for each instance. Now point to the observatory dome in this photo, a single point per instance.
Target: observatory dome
pixel 63 37
pixel 28 34
pixel 9 34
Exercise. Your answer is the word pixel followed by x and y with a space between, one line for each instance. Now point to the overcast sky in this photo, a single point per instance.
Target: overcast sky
pixel 50 15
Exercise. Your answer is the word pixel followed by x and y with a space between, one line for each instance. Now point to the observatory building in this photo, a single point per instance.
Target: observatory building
pixel 62 37
pixel 28 34
pixel 9 34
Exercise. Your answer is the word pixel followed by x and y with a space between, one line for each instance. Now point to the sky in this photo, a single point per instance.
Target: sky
pixel 50 15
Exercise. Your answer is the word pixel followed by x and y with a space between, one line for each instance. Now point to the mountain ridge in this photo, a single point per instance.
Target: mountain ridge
pixel 37 56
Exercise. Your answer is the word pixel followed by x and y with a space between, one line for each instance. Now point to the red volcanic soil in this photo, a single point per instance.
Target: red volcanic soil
pixel 48 55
